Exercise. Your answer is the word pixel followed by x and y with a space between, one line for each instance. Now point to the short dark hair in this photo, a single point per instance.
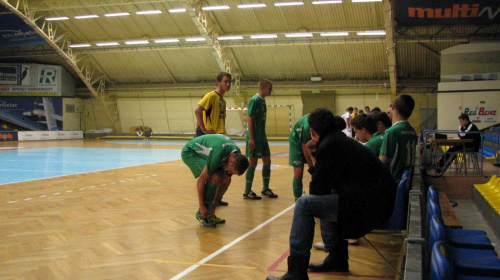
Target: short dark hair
pixel 350 109
pixel 376 109
pixel 381 117
pixel 404 105
pixel 240 163
pixel 341 125
pixel 221 75
pixel 464 116
pixel 364 121
pixel 322 121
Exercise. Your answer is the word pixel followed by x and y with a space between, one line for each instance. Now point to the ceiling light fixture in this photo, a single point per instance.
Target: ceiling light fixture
pixel 371 33
pixel 211 8
pixel 194 39
pixel 359 1
pixel 280 4
pixel 245 6
pixel 295 35
pixel 326 2
pixel 79 45
pixel 326 34
pixel 86 16
pixel 222 38
pixel 104 44
pixel 57 18
pixel 166 40
pixel 137 42
pixel 117 14
pixel 148 12
pixel 263 36
pixel 180 10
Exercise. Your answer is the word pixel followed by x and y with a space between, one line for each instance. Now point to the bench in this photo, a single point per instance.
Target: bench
pixel 449 217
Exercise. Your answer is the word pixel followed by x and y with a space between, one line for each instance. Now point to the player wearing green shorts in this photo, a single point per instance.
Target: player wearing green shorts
pixel 256 141
pixel 298 154
pixel 400 140
pixel 213 159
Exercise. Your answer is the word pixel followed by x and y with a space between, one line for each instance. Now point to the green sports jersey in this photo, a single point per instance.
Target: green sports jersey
pixel 399 145
pixel 301 132
pixel 375 143
pixel 257 108
pixel 213 148
pixel 299 136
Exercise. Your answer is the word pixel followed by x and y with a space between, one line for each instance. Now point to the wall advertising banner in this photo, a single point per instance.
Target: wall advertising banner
pixel 452 12
pixel 15 32
pixel 8 136
pixel 481 114
pixel 30 80
pixel 49 135
pixel 32 113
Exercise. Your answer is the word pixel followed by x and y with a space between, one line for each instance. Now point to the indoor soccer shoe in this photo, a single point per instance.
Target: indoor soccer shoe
pixel 216 220
pixel 269 193
pixel 204 221
pixel 251 195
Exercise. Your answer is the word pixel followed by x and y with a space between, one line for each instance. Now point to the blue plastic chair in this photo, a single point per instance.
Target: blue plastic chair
pixel 397 221
pixel 460 238
pixel 478 262
pixel 441 268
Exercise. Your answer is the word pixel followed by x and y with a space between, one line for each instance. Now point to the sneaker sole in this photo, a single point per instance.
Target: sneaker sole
pixel 268 196
pixel 253 198
pixel 209 225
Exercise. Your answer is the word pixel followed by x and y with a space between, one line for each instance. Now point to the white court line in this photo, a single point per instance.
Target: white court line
pixel 193 267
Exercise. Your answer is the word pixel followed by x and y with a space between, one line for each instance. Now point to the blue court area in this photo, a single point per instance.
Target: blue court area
pixel 19 165
pixel 147 142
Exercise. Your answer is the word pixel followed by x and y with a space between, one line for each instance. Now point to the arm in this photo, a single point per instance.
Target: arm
pixel 200 186
pixel 219 192
pixel 251 140
pixel 198 111
pixel 383 159
pixel 307 155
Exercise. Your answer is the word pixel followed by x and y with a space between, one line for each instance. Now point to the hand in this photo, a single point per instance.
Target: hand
pixel 204 211
pixel 311 146
pixel 251 144
pixel 212 211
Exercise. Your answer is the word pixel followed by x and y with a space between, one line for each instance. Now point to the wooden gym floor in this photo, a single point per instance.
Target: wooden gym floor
pixel 134 218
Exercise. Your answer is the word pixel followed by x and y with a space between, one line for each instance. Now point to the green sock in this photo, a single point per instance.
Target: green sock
pixel 266 176
pixel 249 179
pixel 209 195
pixel 297 187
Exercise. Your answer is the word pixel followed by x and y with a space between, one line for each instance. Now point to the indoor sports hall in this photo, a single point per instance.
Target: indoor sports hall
pixel 98 97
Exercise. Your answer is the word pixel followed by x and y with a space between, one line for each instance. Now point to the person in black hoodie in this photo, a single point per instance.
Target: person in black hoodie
pixel 350 191
pixel 465 127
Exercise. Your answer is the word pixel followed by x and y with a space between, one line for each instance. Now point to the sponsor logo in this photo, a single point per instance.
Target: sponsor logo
pixel 47 76
pixel 4 104
pixel 454 11
pixel 10 34
pixel 481 112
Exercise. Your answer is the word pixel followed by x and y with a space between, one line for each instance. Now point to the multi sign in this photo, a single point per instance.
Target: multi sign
pixel 453 12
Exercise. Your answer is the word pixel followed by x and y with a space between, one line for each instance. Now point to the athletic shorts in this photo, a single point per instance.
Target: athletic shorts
pixel 261 150
pixel 194 161
pixel 296 156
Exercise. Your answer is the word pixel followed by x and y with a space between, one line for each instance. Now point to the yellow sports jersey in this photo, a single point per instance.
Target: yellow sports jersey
pixel 214 116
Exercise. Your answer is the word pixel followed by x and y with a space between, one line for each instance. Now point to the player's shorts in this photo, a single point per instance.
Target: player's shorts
pixel 194 161
pixel 296 156
pixel 261 149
